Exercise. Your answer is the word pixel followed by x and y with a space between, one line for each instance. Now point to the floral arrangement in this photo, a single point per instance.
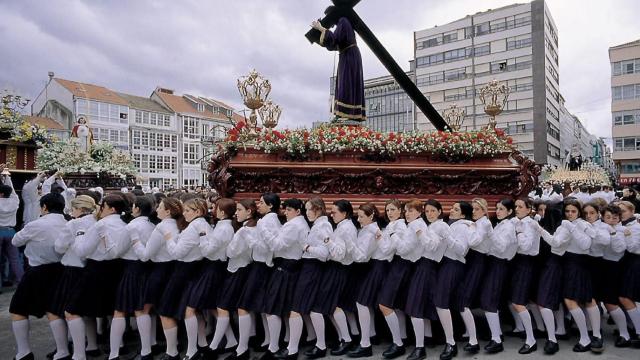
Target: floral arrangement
pixel 590 174
pixel 332 139
pixel 27 132
pixel 67 157
pixel 12 122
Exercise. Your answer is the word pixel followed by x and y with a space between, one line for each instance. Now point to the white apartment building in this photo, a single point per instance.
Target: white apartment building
pixel 516 45
pixel 625 110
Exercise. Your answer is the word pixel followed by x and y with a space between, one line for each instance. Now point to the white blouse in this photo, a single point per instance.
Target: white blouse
pixel 155 249
pixel 616 249
pixel 214 245
pixel 140 229
pixel 64 245
pixel 410 245
pixel 39 236
pixel 504 243
pixel 238 250
pixel 600 239
pixel 186 247
pixel 290 240
pixel 268 228
pixel 633 238
pixel 435 240
pixel 528 234
pixel 481 239
pixel 316 247
pixel 458 241
pixel 104 240
pixel 344 233
pixel 391 238
pixel 366 243
pixel 570 236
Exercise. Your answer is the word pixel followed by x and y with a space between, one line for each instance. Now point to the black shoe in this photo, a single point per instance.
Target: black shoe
pixel 342 348
pixel 306 343
pixel 449 352
pixel 231 349
pixel 156 349
pixel 145 357
pixel 418 353
pixel 29 356
pixel 635 343
pixel 551 347
pixel 268 355
pixel 360 351
pixel 597 345
pixel 563 336
pixel 526 349
pixel 493 347
pixel 52 354
pixel 196 356
pixel 7 283
pixel 622 342
pixel 516 334
pixel 261 348
pixel 244 356
pixel 394 351
pixel 315 353
pixel 375 340
pixel 166 356
pixel 284 355
pixel 93 353
pixel 471 349
pixel 581 348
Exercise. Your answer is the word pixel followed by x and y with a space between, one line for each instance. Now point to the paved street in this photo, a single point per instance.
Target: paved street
pixel 42 342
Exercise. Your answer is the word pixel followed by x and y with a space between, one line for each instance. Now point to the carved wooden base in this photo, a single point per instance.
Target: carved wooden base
pixel 90 180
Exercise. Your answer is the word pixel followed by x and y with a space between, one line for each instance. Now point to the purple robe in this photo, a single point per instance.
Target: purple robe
pixel 349 89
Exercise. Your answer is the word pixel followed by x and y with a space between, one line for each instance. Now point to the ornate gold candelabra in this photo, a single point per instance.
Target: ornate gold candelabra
pixel 494 96
pixel 454 116
pixel 254 90
pixel 270 114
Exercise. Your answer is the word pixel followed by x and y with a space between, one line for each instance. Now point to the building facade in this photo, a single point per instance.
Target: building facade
pixel 516 45
pixel 388 106
pixel 625 110
pixel 170 137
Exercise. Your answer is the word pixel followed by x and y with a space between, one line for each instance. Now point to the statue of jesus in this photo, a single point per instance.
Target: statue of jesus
pixel 83 134
pixel 349 89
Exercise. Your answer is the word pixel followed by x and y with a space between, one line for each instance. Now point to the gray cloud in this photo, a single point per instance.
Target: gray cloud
pixel 202 47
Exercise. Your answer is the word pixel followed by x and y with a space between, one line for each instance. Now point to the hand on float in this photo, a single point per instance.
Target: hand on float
pixel 316 25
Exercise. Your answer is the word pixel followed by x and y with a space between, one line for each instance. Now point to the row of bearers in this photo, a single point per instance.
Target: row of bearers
pixel 181 268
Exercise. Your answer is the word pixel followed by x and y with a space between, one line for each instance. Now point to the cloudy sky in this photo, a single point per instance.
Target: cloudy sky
pixel 202 47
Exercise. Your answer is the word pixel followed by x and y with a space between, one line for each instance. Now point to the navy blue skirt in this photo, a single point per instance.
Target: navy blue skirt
pixel 494 283
pixel 450 276
pixel 36 290
pixel 204 294
pixel 598 281
pixel 549 293
pixel 473 277
pixel 612 271
pixel 394 290
pixel 95 292
pixel 423 282
pixel 278 299
pixel 306 290
pixel 231 289
pixel 522 279
pixel 630 287
pixel 576 284
pixel 173 302
pixel 255 287
pixel 356 273
pixel 330 289
pixel 130 292
pixel 68 280
pixel 372 282
pixel 157 280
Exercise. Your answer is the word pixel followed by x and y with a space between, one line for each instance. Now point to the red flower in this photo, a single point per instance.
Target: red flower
pixel 233 137
pixel 509 141
pixel 240 125
pixel 499 132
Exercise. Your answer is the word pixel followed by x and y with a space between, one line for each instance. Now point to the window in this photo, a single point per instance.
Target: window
pixel 626 67
pixel 626 92
pixel 482 29
pixel 517 44
pixel 627 144
pixel 449 37
pixel 200 107
pixel 553 131
pixel 191 127
pixel 191 153
pixel 626 118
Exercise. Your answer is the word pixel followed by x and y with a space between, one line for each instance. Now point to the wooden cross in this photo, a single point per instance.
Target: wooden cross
pixel 344 8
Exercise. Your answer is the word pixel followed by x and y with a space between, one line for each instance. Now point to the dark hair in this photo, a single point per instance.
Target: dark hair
pixel 317 204
pixel 54 203
pixel 174 206
pixel 370 209
pixel 466 209
pixel 509 204
pixel 137 192
pixel 293 203
pixel 272 200
pixel 227 206
pixel 397 203
pixel 159 196
pixel 613 209
pixel 5 190
pixel 145 205
pixel 592 204
pixel 250 205
pixel 572 202
pixel 137 187
pixel 527 202
pixel 436 204
pixel 199 205
pixel 119 204
pixel 345 207
pixel 557 188
pixel 584 188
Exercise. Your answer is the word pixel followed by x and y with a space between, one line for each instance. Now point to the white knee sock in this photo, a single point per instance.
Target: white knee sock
pixel 581 322
pixel 402 323
pixel 154 329
pixel 394 327
pixel 372 322
pixel 222 324
pixel 494 325
pixel 634 315
pixel 470 324
pixel 418 330
pixel 171 335
pixel 427 328
pixel 318 325
pixel 341 324
pixel 90 326
pixel 59 331
pixel 21 333
pixel 594 319
pixel 308 325
pixel 244 332
pixel 365 325
pixel 295 325
pixel 275 325
pixel 528 327
pixel 353 323
pixel 202 331
pixel 191 325
pixel 265 325
pixel 549 323
pixel 586 316
pixel 76 329
pixel 559 315
pixel 621 322
pixel 144 329
pixel 118 324
pixel 445 319
pixel 517 320
pixel 537 316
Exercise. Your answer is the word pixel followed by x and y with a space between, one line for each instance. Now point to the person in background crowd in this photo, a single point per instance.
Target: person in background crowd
pixel 9 203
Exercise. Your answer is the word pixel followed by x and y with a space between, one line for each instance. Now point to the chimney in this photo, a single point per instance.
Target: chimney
pixel 164 90
pixel 51 75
